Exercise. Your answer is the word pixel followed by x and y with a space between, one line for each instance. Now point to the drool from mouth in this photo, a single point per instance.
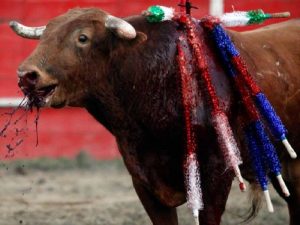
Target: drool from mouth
pixel 38 97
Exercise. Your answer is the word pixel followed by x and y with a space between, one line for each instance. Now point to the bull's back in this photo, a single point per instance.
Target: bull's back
pixel 272 54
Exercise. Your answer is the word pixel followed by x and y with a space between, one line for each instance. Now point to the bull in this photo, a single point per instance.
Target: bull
pixel 124 73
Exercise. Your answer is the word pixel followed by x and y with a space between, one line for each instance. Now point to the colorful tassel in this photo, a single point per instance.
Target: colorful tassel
pixel 268 149
pixel 244 18
pixel 257 164
pixel 270 155
pixel 191 165
pixel 274 122
pixel 255 155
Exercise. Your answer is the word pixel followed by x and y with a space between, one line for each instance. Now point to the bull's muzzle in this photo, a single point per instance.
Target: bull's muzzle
pixel 27 80
pixel 34 87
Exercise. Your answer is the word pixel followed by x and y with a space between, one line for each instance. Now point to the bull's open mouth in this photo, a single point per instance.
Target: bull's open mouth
pixel 46 91
pixel 40 96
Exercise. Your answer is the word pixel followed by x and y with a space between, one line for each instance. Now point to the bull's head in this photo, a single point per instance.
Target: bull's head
pixel 72 47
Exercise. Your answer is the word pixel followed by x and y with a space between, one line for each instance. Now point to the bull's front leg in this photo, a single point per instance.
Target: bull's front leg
pixel 158 213
pixel 128 149
pixel 216 185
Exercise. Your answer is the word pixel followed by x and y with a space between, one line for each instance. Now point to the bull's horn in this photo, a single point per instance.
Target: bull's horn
pixel 120 27
pixel 27 32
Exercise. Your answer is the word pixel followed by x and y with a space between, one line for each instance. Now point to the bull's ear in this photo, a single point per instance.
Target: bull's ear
pixel 139 39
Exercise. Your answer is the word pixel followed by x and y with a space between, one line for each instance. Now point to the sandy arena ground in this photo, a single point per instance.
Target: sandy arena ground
pixel 92 196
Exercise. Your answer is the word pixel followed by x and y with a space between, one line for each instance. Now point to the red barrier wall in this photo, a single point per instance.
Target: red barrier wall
pixel 60 133
pixel 65 132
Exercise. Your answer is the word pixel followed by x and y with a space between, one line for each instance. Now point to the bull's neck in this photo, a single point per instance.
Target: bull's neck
pixel 139 75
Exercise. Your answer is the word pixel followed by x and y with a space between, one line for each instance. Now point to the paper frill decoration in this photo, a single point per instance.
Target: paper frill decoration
pixel 158 13
pixel 193 184
pixel 244 18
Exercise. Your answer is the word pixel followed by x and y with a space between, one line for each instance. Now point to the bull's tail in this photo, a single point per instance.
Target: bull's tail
pixel 255 196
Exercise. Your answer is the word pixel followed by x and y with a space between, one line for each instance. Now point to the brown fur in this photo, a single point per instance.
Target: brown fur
pixel 132 88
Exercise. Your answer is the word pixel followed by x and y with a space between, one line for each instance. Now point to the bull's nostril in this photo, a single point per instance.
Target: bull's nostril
pixel 31 76
pixel 28 79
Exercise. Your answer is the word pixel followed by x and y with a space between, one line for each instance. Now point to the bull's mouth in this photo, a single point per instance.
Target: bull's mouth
pixel 46 91
pixel 40 96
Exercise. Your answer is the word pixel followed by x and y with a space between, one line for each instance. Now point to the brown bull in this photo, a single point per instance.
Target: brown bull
pixel 128 80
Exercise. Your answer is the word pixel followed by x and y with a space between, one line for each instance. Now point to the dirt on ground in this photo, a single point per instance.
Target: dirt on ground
pixel 97 195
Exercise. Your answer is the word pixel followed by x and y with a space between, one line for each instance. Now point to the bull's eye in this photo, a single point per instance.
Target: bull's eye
pixel 82 38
